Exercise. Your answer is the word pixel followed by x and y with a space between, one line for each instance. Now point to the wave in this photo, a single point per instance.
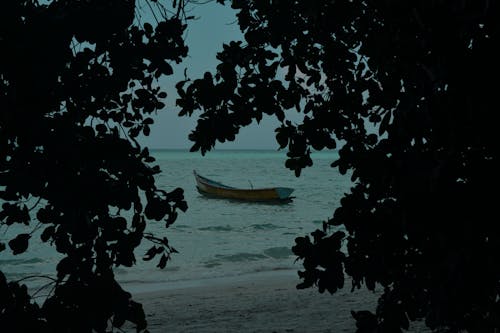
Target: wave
pixel 265 226
pixel 217 228
pixel 281 252
pixel 238 257
pixel 21 261
pixel 270 253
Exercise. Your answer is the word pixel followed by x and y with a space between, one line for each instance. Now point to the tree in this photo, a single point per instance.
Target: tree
pixel 409 87
pixel 78 83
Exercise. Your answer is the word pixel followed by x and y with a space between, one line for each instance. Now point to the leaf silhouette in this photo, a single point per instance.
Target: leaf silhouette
pixel 19 244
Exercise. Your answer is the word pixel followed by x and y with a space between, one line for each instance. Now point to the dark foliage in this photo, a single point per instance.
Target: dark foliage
pixel 78 81
pixel 410 87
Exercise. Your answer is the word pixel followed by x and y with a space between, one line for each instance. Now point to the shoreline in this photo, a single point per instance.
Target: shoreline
pixel 259 302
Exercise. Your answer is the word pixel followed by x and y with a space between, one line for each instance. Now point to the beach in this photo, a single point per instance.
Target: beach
pixel 262 302
pixel 235 270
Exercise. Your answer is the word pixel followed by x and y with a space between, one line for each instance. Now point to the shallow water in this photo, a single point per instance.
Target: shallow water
pixel 216 237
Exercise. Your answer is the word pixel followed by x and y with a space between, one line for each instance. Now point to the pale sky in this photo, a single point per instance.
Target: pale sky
pixel 205 36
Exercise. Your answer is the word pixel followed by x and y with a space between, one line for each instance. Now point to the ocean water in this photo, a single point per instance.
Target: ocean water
pixel 215 237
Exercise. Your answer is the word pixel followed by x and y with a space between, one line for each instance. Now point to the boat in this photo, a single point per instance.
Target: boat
pixel 214 189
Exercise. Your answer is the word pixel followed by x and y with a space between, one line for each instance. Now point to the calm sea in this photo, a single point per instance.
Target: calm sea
pixel 216 237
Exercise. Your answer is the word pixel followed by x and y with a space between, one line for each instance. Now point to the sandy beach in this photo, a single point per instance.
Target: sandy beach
pixel 263 302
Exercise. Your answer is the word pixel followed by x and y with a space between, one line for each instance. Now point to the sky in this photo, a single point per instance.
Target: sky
pixel 215 25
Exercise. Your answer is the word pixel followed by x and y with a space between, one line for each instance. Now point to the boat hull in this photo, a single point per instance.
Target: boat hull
pixel 214 189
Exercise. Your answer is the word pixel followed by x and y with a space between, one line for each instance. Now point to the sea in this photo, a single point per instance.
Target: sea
pixel 215 238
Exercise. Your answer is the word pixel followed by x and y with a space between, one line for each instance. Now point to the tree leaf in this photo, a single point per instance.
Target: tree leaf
pixel 384 124
pixel 19 244
pixel 150 254
pixel 48 233
pixel 163 262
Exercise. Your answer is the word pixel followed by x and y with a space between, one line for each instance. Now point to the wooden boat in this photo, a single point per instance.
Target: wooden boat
pixel 215 189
